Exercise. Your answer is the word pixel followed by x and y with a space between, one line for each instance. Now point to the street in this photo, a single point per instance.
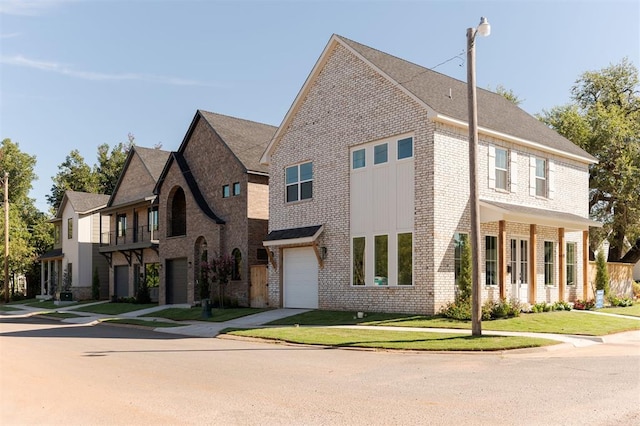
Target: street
pixel 57 373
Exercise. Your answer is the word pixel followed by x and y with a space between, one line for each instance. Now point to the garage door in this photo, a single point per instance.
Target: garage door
pixel 177 281
pixel 300 278
pixel 121 280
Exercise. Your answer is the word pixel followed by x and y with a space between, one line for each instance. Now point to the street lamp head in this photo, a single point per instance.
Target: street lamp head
pixel 484 29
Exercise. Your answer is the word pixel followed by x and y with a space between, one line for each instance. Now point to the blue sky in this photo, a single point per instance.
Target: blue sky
pixel 78 73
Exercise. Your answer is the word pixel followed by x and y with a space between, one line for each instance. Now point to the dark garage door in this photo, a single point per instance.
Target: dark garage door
pixel 121 280
pixel 177 281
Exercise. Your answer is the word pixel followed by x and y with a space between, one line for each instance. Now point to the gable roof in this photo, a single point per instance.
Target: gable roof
pixel 246 139
pixel 445 99
pixel 153 161
pixel 82 202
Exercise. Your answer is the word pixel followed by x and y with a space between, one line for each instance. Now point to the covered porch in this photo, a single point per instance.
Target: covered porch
pixel 50 273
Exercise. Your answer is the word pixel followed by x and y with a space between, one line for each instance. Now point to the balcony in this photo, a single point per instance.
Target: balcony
pixel 131 239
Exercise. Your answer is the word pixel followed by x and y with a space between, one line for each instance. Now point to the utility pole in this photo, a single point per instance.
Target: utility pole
pixel 6 237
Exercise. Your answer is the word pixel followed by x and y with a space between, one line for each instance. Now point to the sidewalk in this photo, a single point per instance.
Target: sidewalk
pixel 212 329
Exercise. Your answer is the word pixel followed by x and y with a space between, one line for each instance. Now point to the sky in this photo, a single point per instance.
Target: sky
pixel 75 74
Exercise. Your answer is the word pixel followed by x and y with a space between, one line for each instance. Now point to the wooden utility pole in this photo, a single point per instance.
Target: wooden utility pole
pixel 6 237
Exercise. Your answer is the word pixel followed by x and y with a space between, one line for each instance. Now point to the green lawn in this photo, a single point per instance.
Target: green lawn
pixel 113 308
pixel 633 311
pixel 144 323
pixel 7 308
pixel 408 340
pixel 561 322
pixel 195 314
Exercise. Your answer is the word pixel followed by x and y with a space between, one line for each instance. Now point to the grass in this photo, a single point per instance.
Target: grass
pixel 195 314
pixel 113 308
pixel 382 339
pixel 8 308
pixel 140 322
pixel 633 311
pixel 560 322
pixel 50 304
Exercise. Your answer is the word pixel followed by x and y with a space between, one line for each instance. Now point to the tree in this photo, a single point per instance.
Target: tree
pixel 602 274
pixel 75 175
pixel 20 166
pixel 110 165
pixel 604 119
pixel 508 94
pixel 464 280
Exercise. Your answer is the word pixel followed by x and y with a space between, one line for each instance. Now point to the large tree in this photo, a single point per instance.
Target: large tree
pixel 110 164
pixel 604 119
pixel 74 175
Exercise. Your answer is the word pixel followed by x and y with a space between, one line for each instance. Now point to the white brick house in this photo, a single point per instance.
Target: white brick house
pixel 369 191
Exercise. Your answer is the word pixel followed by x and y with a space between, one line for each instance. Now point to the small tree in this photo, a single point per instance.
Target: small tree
pixel 95 285
pixel 143 296
pixel 464 280
pixel 602 275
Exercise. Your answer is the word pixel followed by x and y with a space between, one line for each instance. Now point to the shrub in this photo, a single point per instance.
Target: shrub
pixel 584 305
pixel 636 290
pixel 561 306
pixel 466 272
pixel 602 275
pixel 17 296
pixel 620 301
pixel 460 310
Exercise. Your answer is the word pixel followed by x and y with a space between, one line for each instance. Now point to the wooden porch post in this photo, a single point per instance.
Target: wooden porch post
pixel 562 261
pixel 533 236
pixel 502 258
pixel 585 264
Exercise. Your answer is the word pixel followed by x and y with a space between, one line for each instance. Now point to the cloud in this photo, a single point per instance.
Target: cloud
pixel 67 70
pixel 10 35
pixel 29 7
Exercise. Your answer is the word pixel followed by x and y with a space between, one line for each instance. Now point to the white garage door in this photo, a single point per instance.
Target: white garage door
pixel 300 278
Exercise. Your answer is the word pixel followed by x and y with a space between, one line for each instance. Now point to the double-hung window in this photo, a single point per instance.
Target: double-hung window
pixel 501 168
pixel 549 267
pixel 491 260
pixel 572 263
pixel 299 182
pixel 541 177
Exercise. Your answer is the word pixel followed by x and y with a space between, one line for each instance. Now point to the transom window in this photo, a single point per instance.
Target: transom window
pixel 405 148
pixel 359 159
pixel 501 168
pixel 541 177
pixel 299 182
pixel 380 153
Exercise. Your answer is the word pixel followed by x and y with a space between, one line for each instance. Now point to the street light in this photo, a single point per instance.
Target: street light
pixel 484 29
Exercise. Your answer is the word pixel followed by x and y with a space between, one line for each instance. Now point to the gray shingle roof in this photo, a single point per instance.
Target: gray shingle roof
pixel 494 111
pixel 153 159
pixel 246 139
pixel 85 202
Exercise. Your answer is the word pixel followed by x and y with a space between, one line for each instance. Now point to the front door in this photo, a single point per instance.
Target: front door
pixel 519 263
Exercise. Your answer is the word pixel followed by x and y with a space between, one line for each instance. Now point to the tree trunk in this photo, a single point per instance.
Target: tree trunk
pixel 633 255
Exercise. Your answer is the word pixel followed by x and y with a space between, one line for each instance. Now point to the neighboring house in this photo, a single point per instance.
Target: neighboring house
pixel 213 197
pixel 129 242
pixel 369 190
pixel 75 249
pixel 636 271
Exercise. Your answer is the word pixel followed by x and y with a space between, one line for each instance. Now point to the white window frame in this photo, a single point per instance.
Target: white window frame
pixel 486 261
pixel 297 183
pixel 572 266
pixel 549 264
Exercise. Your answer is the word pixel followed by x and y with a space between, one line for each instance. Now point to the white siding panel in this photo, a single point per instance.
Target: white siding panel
pixel 513 169
pixel 492 167
pixel 361 201
pixel 552 180
pixel 382 195
pixel 404 195
pixel 532 176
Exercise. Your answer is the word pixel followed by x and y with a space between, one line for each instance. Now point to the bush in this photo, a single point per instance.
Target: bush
pixel 636 290
pixel 602 274
pixel 460 310
pixel 561 306
pixel 584 305
pixel 18 296
pixel 620 301
pixel 501 309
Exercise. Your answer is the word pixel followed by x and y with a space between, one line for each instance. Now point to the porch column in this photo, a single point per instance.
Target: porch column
pixel 533 237
pixel 562 261
pixel 42 262
pixel 49 271
pixel 585 264
pixel 502 258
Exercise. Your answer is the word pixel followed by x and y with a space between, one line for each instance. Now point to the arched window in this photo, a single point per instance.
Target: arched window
pixel 177 213
pixel 236 272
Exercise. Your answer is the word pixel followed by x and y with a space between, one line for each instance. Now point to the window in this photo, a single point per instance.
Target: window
pixel 405 259
pixel 459 241
pixel 405 148
pixel 261 255
pixel 541 177
pixel 381 258
pixel 153 219
pixel 236 270
pixel 358 246
pixel 225 191
pixel 177 213
pixel 501 168
pixel 380 154
pixel 56 234
pixel 236 188
pixel 70 228
pixel 299 182
pixel 121 225
pixel 491 260
pixel 549 268
pixel 359 159
pixel 572 264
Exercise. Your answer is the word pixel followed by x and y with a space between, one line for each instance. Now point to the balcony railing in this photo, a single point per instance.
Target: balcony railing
pixel 141 234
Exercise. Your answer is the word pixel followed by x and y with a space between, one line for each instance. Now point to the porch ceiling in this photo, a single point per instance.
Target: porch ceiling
pixel 491 211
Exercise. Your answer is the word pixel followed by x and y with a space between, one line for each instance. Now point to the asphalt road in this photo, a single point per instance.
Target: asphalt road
pixel 55 373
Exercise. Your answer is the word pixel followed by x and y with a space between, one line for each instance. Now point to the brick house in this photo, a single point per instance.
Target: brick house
pixel 370 186
pixel 75 248
pixel 129 240
pixel 213 198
